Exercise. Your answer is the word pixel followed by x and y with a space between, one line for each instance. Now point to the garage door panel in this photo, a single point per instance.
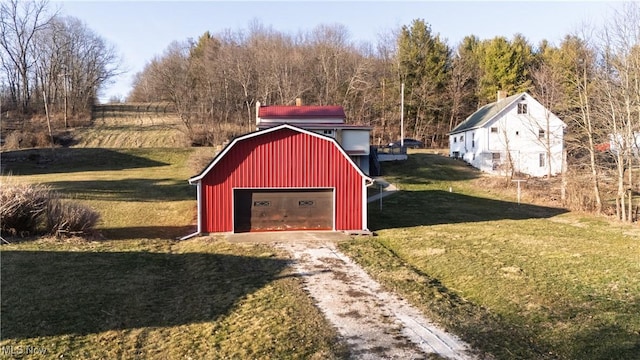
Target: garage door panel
pixel 278 210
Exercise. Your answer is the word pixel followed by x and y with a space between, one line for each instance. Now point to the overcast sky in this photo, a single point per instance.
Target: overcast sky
pixel 141 30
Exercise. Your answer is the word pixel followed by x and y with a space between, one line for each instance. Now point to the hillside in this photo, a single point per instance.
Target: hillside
pixel 132 126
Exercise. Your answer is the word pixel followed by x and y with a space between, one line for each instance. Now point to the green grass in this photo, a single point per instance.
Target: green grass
pixel 135 292
pixel 158 299
pixel 140 193
pixel 516 281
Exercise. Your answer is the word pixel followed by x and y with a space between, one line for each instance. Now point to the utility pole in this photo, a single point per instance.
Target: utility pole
pixel 402 115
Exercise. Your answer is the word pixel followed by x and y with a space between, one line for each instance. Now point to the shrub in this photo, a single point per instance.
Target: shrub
pixel 21 207
pixel 68 218
pixel 27 209
pixel 12 140
pixel 27 139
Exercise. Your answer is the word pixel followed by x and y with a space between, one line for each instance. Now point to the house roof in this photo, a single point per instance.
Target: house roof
pixel 320 126
pixel 301 112
pixel 485 114
pixel 217 158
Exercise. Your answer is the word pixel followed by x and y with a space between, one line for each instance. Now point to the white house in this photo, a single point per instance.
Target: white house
pixel 514 133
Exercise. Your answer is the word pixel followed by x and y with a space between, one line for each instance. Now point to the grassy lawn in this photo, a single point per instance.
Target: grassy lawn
pixel 135 292
pixel 140 193
pixel 516 281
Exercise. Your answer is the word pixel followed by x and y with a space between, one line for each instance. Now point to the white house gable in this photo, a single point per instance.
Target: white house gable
pixel 514 133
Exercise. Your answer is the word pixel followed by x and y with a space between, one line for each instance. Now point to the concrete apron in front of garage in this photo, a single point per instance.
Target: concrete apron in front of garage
pixel 286 236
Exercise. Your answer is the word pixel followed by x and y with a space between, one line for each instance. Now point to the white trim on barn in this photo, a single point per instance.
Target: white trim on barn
pixel 364 204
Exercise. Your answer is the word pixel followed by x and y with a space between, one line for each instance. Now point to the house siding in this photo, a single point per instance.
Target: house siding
pixel 283 159
pixel 517 137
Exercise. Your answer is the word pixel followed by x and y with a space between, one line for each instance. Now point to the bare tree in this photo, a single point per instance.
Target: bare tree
pixel 620 76
pixel 20 22
pixel 583 121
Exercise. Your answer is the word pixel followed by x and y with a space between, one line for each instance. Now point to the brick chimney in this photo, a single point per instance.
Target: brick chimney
pixel 502 94
pixel 298 102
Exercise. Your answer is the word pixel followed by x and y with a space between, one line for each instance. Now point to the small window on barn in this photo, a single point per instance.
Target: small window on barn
pixel 522 108
pixel 542 159
pixel 262 203
pixel 306 203
pixel 494 130
pixel 541 134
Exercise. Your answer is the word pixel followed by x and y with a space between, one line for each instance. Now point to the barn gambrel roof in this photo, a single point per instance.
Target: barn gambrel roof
pixel 219 156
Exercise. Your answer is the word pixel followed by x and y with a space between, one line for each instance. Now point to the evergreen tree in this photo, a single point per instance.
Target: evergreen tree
pixel 424 62
pixel 504 65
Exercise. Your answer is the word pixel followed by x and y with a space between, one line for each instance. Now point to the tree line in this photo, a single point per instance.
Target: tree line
pixel 591 80
pixel 50 59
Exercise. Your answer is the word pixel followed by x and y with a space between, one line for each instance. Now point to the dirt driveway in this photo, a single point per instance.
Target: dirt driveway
pixel 375 324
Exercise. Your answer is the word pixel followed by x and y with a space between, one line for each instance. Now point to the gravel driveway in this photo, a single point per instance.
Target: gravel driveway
pixel 374 323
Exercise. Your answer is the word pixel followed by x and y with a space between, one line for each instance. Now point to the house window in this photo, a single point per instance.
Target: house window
pixel 494 130
pixel 461 138
pixel 542 159
pixel 455 139
pixel 495 156
pixel 541 134
pixel 456 154
pixel 327 132
pixel 517 133
pixel 522 108
pixel 261 203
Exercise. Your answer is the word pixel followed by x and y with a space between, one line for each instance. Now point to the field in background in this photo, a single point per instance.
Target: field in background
pixel 133 126
pixel 518 281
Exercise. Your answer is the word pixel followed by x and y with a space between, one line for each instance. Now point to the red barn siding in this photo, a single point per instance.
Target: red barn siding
pixel 282 159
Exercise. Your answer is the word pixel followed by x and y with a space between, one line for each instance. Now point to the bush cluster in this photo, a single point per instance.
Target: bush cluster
pixel 27 209
pixel 26 139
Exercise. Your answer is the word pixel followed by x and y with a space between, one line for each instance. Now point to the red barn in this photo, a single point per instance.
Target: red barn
pixel 282 178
